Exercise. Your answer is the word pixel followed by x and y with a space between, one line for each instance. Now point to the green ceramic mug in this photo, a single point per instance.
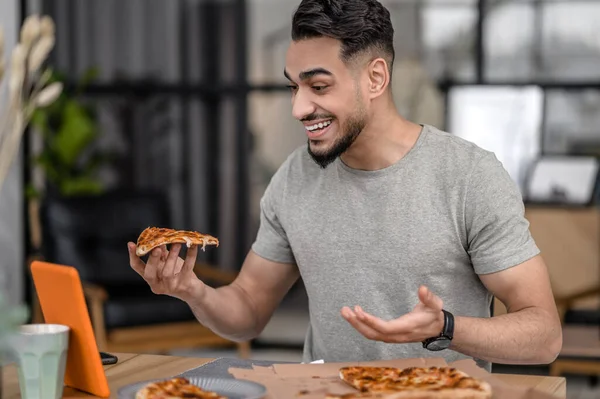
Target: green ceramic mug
pixel 40 351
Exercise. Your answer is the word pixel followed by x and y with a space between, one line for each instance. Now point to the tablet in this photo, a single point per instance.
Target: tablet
pixel 61 298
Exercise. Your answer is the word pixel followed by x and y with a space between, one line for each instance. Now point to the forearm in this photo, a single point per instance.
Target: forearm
pixel 529 336
pixel 226 310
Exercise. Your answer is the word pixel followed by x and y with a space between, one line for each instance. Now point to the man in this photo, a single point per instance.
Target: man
pixel 401 233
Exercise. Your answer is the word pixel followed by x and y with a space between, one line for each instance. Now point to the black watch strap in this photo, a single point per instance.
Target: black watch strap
pixel 442 341
pixel 448 330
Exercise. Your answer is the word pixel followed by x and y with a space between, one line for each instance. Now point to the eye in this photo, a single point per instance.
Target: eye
pixel 320 88
pixel 292 88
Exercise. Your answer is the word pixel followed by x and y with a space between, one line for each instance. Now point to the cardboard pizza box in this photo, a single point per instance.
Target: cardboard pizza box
pixel 313 381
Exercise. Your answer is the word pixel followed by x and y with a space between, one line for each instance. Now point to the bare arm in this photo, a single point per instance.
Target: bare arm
pixel 238 311
pixel 241 310
pixel 530 333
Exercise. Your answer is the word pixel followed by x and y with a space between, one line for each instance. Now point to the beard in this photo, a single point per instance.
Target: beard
pixel 350 131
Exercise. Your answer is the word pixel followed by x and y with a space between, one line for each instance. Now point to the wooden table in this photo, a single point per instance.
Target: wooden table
pixel 132 368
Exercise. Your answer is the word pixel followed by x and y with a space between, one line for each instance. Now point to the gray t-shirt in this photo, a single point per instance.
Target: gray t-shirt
pixel 446 212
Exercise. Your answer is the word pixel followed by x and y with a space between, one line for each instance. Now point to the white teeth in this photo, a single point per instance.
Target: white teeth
pixel 320 125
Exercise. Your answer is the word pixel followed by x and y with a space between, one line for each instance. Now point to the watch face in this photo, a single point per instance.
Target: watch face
pixel 439 344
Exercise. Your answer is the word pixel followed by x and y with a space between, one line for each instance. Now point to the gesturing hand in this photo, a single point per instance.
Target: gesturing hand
pixel 426 320
pixel 166 272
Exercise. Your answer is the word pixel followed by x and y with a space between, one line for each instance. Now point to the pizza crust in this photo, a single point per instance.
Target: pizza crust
pixel 154 237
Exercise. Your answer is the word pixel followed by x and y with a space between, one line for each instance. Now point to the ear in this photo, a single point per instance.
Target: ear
pixel 379 77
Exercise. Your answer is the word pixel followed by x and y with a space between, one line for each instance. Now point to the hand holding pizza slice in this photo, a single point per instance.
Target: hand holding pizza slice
pixel 424 321
pixel 165 271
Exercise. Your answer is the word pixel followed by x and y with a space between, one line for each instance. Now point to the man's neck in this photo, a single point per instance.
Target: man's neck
pixel 383 142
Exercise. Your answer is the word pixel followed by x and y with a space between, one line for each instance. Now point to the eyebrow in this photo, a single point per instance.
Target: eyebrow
pixel 304 75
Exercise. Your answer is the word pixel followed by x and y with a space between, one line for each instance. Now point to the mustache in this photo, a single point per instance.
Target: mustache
pixel 314 117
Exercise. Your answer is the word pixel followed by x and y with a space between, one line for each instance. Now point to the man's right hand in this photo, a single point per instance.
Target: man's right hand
pixel 167 273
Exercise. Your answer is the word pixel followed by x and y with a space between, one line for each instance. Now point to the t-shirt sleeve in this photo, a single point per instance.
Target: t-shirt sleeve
pixel 498 235
pixel 271 240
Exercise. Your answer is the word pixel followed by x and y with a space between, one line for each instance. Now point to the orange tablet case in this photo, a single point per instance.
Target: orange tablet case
pixel 62 301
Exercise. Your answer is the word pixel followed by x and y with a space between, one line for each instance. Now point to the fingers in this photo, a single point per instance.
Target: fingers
pixel 429 299
pixel 359 325
pixel 171 261
pixel 401 326
pixel 134 261
pixel 423 322
pixel 400 330
pixel 190 259
pixel 381 326
pixel 154 266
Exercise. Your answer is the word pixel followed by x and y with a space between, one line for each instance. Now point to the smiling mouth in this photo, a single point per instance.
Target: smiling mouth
pixel 318 129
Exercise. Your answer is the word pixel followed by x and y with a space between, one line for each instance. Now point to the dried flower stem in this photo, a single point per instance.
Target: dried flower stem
pixel 26 85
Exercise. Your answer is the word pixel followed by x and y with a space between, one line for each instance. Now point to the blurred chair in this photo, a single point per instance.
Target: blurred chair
pixel 580 353
pixel 91 234
pixel 569 238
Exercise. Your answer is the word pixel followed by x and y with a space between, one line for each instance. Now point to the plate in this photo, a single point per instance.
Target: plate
pixel 230 387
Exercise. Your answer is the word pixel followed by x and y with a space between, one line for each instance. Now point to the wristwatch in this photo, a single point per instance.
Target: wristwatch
pixel 443 340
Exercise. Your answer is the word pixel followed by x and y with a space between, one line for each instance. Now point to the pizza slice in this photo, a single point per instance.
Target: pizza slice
pixel 154 237
pixel 413 383
pixel 364 378
pixel 175 388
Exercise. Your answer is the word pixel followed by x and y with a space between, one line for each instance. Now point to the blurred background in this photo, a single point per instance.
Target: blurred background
pixel 176 113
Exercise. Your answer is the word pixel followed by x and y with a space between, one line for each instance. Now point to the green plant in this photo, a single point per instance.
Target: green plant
pixel 69 129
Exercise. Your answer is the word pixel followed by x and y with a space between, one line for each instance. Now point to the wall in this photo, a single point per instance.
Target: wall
pixel 11 200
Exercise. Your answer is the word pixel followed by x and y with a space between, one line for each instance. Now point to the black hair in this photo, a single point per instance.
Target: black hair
pixel 360 25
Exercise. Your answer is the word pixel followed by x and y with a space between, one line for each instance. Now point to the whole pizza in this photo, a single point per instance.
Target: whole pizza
pixel 412 383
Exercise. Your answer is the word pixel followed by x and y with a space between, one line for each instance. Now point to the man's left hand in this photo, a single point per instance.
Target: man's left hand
pixel 425 321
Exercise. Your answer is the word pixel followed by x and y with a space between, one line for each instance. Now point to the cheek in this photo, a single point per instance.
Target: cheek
pixel 340 104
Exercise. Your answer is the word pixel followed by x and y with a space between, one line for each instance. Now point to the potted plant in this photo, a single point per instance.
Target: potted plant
pixel 68 129
pixel 68 159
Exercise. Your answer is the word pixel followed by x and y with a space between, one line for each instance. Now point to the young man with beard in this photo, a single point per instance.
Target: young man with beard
pixel 401 232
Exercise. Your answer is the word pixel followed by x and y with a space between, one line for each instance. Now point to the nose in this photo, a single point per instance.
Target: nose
pixel 301 105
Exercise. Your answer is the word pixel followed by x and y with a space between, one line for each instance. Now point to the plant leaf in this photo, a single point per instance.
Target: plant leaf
pixel 31 192
pixel 39 120
pixel 81 186
pixel 75 134
pixel 88 76
pixel 45 161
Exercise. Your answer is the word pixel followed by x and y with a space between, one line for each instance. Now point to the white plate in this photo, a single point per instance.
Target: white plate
pixel 230 387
